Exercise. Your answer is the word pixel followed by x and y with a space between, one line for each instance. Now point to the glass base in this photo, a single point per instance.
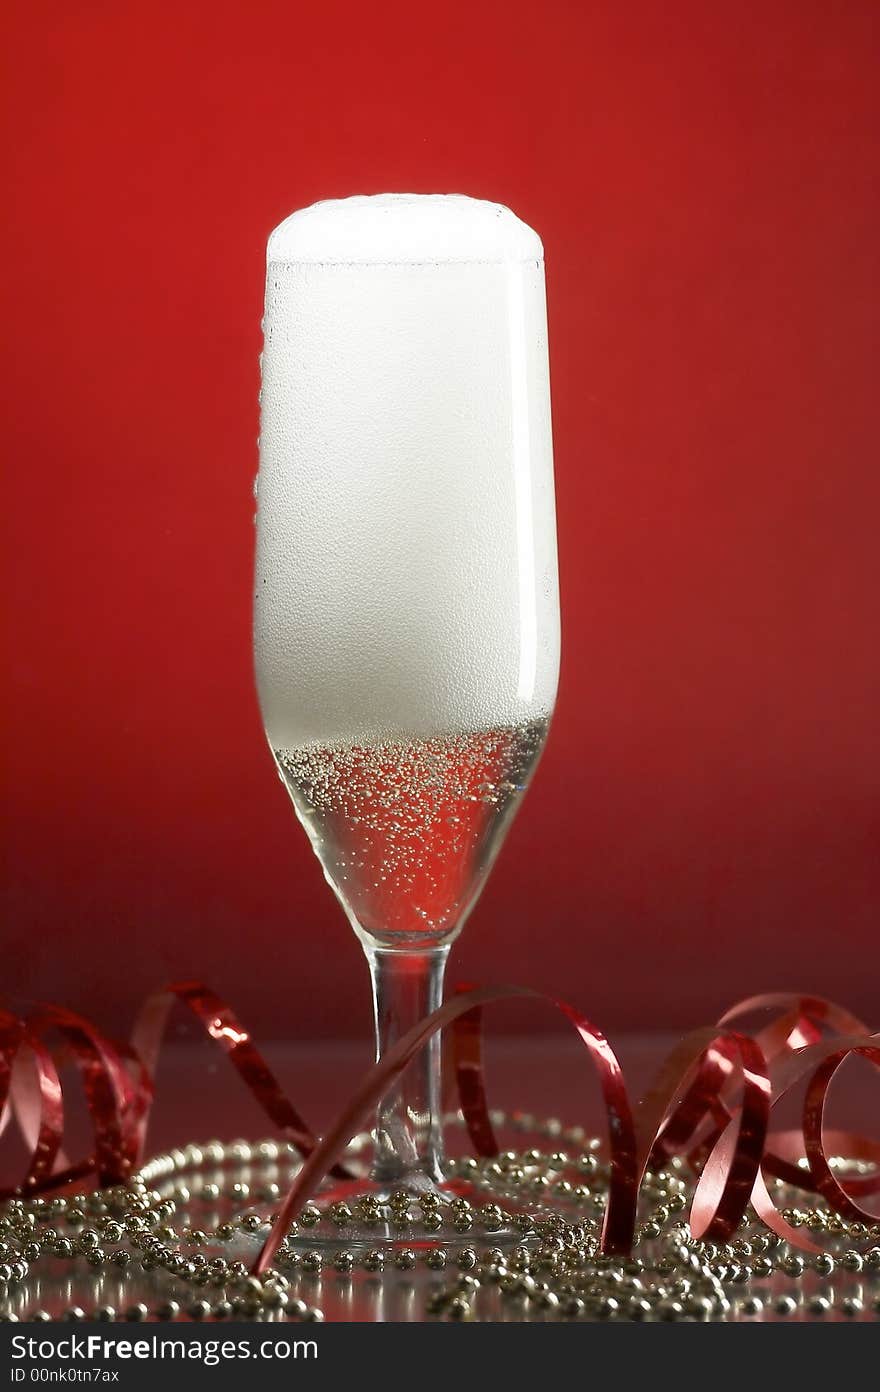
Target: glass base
pixel 358 1216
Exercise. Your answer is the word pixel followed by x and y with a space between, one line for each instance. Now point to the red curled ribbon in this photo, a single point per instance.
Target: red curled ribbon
pixel 117 1081
pixel 692 1098
pixel 223 1026
pixel 710 1103
pixel 619 1222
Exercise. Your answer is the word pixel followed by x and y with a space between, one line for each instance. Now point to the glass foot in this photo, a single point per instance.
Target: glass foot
pixel 358 1216
pixel 229 1193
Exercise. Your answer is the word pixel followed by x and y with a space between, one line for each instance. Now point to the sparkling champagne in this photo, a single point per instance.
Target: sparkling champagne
pixel 406 618
pixel 407 830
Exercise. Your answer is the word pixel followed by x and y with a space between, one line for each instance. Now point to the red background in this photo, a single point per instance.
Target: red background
pixel 705 821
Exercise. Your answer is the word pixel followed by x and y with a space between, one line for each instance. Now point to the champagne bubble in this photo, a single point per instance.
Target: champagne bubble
pixel 404 829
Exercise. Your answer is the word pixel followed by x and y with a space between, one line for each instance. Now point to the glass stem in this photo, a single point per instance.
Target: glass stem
pixel 407 986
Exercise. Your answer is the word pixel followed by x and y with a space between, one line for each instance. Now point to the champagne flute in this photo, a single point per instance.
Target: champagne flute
pixel 406 622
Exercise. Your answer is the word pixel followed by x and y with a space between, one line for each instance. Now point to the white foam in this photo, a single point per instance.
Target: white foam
pixel 406 551
pixel 404 227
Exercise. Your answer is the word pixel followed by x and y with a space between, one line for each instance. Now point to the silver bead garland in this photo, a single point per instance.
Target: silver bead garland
pixel 554 1270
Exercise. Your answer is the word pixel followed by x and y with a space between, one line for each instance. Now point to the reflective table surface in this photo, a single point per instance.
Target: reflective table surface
pixel 201 1099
